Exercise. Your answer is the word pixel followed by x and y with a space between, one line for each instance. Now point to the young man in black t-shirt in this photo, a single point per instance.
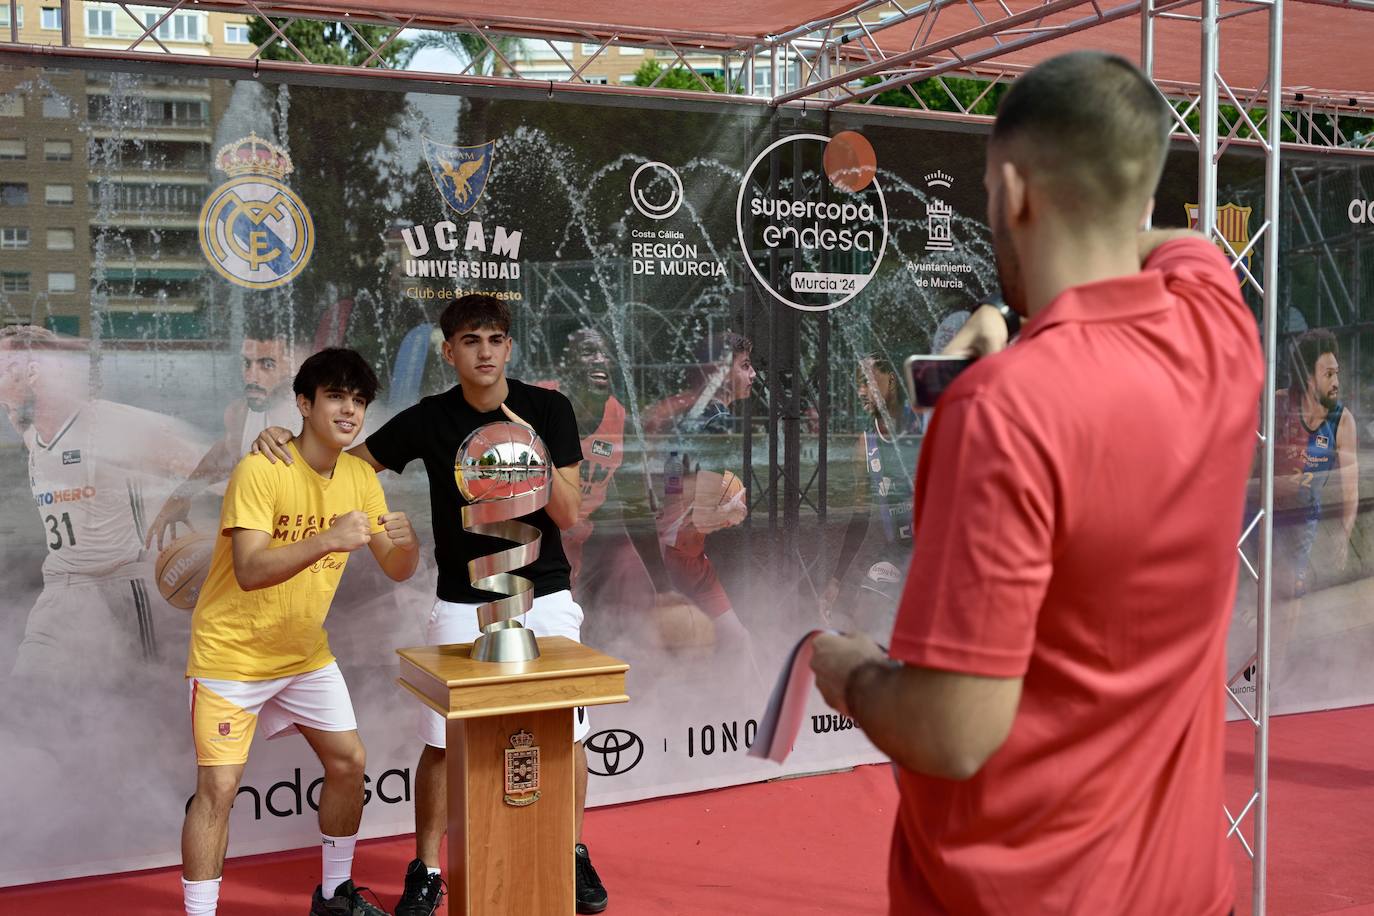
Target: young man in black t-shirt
pixel 477 344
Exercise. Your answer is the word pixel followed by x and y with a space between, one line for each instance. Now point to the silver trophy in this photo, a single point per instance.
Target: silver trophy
pixel 503 472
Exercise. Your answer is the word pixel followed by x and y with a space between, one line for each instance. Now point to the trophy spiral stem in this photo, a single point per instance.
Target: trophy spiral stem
pixel 503 638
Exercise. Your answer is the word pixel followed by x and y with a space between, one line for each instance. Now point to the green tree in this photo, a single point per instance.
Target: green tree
pixel 340 140
pixel 325 42
pixel 967 91
pixel 676 78
pixel 467 47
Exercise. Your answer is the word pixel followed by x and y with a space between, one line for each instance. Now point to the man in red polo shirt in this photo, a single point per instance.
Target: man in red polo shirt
pixel 1053 694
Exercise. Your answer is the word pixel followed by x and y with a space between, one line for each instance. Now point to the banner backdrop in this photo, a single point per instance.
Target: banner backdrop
pixel 725 294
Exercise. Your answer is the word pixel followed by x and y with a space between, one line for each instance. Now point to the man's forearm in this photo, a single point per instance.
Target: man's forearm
pixel 1350 499
pixel 400 562
pixel 564 500
pixel 875 696
pixel 270 566
pixel 216 465
pixel 932 722
pixel 854 533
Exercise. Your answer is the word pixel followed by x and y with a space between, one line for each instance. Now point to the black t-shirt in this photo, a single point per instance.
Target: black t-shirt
pixel 433 430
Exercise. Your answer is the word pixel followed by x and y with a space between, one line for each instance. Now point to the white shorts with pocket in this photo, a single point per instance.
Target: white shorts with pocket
pixel 225 714
pixel 552 615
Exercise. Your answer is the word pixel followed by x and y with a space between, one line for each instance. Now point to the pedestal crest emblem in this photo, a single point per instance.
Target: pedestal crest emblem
pixel 522 770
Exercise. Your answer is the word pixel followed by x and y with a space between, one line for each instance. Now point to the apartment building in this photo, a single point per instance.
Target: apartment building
pixel 102 174
pixel 615 65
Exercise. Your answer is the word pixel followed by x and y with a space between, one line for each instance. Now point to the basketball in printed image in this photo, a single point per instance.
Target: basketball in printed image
pixel 681 624
pixel 849 161
pixel 182 567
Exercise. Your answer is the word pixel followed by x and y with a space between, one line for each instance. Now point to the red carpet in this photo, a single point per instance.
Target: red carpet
pixel 819 845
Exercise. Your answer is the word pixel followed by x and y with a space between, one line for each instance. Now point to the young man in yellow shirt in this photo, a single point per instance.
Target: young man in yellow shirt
pixel 259 652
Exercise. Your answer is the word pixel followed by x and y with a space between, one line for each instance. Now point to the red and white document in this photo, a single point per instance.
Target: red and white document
pixel 787 704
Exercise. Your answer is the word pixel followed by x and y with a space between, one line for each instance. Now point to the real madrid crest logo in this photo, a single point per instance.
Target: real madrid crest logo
pixel 254 230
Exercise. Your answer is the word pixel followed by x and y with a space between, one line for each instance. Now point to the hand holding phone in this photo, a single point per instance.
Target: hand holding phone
pixel 928 375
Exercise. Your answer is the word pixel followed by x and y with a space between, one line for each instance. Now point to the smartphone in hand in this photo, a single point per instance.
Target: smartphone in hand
pixel 928 375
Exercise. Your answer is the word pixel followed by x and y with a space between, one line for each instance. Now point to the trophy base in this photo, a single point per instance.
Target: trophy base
pixel 511 643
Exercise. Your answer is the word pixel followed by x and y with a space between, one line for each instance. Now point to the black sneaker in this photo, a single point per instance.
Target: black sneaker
pixel 423 891
pixel 347 901
pixel 591 893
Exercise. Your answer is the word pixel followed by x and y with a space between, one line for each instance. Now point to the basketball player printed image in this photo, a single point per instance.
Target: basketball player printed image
pixel 92 463
pixel 269 362
pixel 1316 467
pixel 698 502
pixel 617 572
pixel 259 654
pixel 885 462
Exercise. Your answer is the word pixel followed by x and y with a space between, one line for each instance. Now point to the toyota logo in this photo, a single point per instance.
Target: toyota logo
pixel 620 751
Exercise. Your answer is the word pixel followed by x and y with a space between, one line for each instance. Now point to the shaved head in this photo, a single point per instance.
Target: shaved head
pixel 1090 129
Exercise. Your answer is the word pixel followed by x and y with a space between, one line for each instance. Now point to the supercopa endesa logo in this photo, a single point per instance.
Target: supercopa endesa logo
pixel 812 219
pixel 254 230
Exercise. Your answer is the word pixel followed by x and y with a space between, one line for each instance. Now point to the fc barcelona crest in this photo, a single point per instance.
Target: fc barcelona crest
pixel 522 770
pixel 460 172
pixel 1233 223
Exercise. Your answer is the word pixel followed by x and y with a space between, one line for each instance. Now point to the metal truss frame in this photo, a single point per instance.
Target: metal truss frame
pixel 823 61
pixel 1215 92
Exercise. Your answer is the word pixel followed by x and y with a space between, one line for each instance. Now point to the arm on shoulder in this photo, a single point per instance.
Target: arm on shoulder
pixel 360 451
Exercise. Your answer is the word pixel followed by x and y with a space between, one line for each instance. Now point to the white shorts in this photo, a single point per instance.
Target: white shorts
pixel 552 615
pixel 224 714
pixel 74 621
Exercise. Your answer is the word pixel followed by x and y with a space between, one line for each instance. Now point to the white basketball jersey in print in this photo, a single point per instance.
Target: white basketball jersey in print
pixel 90 482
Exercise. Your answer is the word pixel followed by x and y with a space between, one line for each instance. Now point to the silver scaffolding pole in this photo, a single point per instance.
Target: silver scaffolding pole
pixel 1272 200
pixel 1214 91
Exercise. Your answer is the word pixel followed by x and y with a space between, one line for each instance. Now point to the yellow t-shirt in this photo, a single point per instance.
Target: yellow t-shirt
pixel 277 631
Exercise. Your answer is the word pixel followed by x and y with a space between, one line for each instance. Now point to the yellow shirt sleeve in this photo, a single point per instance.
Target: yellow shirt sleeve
pixel 250 497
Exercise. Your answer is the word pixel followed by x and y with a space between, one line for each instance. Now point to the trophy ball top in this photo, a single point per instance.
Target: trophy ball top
pixel 501 460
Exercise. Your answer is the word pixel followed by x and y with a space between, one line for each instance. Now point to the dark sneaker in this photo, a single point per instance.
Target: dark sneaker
pixel 423 891
pixel 591 893
pixel 347 901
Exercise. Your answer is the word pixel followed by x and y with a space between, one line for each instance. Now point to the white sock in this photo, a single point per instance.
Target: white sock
pixel 201 897
pixel 432 871
pixel 337 855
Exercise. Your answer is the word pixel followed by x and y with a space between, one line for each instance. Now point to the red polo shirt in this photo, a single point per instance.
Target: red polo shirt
pixel 1078 502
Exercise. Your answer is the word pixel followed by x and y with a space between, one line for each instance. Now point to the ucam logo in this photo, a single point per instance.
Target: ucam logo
pixel 1361 211
pixel 822 221
pixel 447 250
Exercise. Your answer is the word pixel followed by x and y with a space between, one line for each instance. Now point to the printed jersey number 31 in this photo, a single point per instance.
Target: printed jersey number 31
pixel 65 521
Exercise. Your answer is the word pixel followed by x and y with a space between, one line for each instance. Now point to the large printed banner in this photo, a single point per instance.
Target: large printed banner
pixel 725 295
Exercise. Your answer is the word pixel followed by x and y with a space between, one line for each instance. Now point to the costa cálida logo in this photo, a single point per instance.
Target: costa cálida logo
pixel 254 230
pixel 812 219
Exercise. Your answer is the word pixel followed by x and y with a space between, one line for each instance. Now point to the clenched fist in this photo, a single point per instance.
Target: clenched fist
pixel 349 532
pixel 399 531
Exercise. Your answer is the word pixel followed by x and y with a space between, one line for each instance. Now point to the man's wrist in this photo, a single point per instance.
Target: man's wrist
pixel 861 681
pixel 1009 315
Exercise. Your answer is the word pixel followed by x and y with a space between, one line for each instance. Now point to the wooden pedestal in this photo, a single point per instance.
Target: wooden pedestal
pixel 510 854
